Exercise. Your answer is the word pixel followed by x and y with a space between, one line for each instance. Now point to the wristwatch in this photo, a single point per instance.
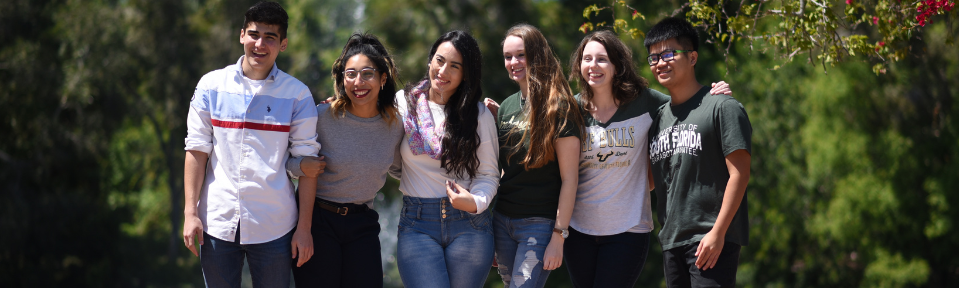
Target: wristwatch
pixel 562 232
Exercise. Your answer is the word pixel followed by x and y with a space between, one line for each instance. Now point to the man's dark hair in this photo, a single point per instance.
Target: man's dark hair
pixel 270 13
pixel 673 27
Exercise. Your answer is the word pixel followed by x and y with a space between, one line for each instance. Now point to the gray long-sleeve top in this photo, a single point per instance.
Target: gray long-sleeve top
pixel 358 153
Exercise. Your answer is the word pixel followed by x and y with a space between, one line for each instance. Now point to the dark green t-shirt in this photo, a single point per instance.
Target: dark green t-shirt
pixel 522 193
pixel 688 144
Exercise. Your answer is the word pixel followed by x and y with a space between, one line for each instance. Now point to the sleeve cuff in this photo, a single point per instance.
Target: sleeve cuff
pixel 293 167
pixel 482 203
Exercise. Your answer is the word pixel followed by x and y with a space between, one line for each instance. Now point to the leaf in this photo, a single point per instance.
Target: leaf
pixel 590 8
pixel 586 27
pixel 620 23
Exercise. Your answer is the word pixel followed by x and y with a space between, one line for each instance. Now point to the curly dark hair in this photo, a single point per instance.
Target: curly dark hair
pixel 369 46
pixel 627 84
pixel 462 111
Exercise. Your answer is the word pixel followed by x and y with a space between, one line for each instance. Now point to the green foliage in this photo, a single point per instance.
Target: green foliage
pixel 827 31
pixel 619 25
pixel 854 172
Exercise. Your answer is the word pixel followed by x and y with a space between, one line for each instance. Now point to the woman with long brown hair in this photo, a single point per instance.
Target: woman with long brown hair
pixel 539 129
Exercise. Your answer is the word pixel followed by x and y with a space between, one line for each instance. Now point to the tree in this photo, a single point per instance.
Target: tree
pixel 827 31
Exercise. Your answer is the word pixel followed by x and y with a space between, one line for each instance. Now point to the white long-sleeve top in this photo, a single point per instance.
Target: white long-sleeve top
pixel 422 176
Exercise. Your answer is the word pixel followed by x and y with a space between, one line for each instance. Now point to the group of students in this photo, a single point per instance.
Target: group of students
pixel 546 175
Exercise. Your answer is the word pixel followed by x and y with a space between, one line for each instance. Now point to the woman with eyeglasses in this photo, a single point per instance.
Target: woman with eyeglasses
pixel 449 173
pixel 611 222
pixel 360 131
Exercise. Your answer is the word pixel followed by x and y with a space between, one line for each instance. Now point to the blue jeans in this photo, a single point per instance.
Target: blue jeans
pixel 437 249
pixel 520 248
pixel 222 261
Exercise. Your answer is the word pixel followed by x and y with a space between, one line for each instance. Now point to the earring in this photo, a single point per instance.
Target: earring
pixel 382 86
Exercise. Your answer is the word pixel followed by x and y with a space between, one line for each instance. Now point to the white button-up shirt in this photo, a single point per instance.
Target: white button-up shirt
pixel 249 135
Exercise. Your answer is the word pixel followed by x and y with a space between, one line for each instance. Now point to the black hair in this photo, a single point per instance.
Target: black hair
pixel 627 84
pixel 673 27
pixel 462 112
pixel 372 48
pixel 270 13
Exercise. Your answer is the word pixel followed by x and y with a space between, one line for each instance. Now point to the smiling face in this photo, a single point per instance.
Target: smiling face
pixel 514 58
pixel 445 72
pixel 261 45
pixel 675 72
pixel 596 67
pixel 363 93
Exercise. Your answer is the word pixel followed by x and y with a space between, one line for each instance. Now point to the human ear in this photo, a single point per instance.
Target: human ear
pixel 283 44
pixel 383 79
pixel 693 56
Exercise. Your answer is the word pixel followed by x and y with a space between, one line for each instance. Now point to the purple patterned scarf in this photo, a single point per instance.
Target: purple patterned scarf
pixel 426 137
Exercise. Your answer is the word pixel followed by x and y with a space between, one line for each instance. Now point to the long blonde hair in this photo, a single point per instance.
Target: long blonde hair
pixel 551 107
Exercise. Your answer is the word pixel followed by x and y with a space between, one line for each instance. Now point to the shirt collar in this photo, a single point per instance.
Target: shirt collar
pixel 238 68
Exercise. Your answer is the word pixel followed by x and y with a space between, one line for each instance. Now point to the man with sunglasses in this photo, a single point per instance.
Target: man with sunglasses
pixel 700 153
pixel 245 120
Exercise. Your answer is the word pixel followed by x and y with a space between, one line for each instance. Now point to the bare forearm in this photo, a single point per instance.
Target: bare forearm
pixel 307 196
pixel 194 171
pixel 567 196
pixel 567 156
pixel 738 165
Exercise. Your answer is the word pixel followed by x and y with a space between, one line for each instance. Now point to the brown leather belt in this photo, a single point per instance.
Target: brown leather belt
pixel 342 209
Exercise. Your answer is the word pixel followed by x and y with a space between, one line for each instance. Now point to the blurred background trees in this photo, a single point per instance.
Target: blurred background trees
pixel 854 167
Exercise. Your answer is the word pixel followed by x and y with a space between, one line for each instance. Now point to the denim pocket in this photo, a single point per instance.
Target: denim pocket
pixel 405 222
pixel 481 222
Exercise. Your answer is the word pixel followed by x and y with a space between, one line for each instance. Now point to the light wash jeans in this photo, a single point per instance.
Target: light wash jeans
pixel 222 261
pixel 520 248
pixel 436 249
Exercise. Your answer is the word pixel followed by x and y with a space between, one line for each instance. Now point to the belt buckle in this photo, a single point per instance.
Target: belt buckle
pixel 345 210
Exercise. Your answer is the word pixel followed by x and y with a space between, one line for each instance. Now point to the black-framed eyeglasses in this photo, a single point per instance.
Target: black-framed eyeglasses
pixel 366 74
pixel 666 56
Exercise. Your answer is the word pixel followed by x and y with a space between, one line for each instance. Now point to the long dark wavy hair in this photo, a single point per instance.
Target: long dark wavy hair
pixel 462 111
pixel 370 46
pixel 551 106
pixel 627 84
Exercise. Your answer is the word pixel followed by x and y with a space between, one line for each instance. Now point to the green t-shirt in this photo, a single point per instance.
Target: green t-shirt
pixel 522 193
pixel 688 144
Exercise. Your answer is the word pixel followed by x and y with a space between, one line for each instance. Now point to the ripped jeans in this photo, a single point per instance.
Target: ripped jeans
pixel 520 248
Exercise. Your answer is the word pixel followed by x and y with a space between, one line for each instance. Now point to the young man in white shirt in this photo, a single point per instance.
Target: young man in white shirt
pixel 245 120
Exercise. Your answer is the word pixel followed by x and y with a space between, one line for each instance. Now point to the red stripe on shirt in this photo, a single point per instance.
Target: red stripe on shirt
pixel 251 125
